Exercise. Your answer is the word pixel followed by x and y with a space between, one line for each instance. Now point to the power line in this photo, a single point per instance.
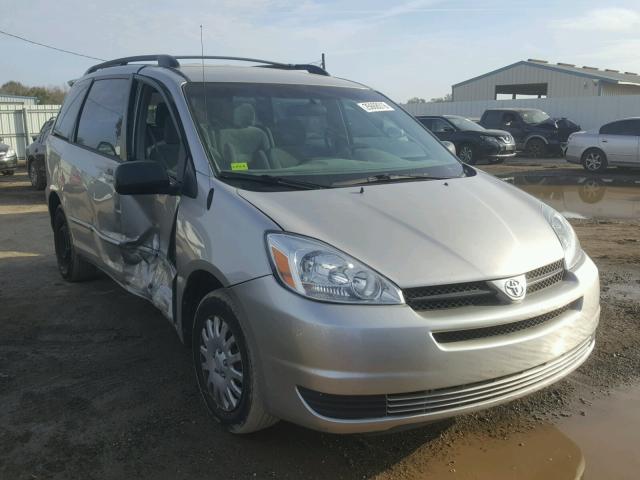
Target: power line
pixel 49 46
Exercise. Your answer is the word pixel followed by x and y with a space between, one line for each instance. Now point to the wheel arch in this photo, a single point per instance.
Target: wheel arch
pixel 536 136
pixel 199 283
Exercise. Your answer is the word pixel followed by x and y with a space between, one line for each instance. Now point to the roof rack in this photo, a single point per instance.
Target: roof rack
pixel 171 61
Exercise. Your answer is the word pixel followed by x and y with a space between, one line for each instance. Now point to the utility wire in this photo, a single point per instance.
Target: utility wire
pixel 51 47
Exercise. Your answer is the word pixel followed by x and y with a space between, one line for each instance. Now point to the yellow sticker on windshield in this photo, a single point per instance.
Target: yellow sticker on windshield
pixel 239 166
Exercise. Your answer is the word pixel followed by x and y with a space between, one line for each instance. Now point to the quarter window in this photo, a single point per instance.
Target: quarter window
pixel 69 113
pixel 101 121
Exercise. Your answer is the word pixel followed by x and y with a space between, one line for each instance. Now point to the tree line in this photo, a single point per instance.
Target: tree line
pixel 45 95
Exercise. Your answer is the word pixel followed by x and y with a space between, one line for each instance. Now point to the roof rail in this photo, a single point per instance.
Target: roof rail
pixel 266 63
pixel 163 61
pixel 171 61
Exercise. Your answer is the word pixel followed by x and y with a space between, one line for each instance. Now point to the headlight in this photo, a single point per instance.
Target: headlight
pixel 486 138
pixel 567 236
pixel 319 271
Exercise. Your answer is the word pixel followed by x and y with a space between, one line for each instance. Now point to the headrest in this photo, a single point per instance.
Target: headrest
pixel 244 115
pixel 170 133
pixel 162 112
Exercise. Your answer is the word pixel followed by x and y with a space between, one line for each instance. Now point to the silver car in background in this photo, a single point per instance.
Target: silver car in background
pixel 616 144
pixel 327 259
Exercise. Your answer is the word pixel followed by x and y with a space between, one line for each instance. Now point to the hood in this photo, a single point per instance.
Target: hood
pixel 495 133
pixel 424 232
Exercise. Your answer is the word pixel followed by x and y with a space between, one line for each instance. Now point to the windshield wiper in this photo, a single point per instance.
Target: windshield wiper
pixel 272 180
pixel 390 178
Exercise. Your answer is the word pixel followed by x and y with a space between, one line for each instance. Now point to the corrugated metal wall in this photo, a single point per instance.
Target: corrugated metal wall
pixel 588 112
pixel 19 123
pixel 559 84
pixel 18 99
pixel 613 89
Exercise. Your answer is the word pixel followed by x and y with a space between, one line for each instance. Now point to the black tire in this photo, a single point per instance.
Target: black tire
pixel 536 148
pixel 8 172
pixel 467 154
pixel 249 415
pixel 37 175
pixel 71 266
pixel 594 160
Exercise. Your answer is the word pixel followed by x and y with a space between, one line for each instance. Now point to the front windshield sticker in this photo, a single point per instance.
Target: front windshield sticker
pixel 239 166
pixel 372 107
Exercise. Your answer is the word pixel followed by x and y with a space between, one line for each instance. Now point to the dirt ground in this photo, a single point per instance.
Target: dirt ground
pixel 94 384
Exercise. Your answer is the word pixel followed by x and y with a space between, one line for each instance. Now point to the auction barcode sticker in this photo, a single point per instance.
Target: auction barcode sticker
pixel 375 107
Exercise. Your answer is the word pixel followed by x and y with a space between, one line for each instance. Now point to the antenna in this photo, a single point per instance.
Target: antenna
pixel 322 63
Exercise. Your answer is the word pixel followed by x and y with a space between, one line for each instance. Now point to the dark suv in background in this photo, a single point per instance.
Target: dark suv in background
pixel 36 156
pixel 534 131
pixel 473 142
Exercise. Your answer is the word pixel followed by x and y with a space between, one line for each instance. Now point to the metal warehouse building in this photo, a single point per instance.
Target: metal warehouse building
pixel 538 78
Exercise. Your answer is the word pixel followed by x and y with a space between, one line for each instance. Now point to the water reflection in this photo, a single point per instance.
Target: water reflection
pixel 606 197
pixel 544 453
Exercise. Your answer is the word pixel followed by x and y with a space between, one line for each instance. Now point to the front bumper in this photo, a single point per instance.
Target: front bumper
pixel 8 163
pixel 390 351
pixel 501 150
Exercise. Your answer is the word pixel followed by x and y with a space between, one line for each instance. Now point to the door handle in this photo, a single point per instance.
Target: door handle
pixel 604 140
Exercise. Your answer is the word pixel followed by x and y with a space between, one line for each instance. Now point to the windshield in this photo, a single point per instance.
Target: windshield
pixel 534 116
pixel 321 135
pixel 465 124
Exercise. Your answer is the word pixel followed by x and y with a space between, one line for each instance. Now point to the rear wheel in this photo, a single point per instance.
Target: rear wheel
pixel 594 160
pixel 72 267
pixel 536 148
pixel 37 175
pixel 466 154
pixel 226 368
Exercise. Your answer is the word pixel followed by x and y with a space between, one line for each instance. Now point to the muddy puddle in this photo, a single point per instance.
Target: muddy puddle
pixel 599 441
pixel 588 197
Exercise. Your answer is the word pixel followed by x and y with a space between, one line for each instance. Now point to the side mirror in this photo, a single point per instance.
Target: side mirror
pixel 34 137
pixel 448 130
pixel 450 146
pixel 143 178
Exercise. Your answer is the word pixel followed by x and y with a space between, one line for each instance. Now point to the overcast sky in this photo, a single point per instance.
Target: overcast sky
pixel 404 48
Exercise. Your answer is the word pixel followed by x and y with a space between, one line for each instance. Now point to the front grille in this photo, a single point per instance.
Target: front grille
pixel 361 407
pixel 451 336
pixel 438 297
pixel 450 296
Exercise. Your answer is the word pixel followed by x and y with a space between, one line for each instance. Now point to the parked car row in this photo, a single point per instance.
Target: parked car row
pixel 502 132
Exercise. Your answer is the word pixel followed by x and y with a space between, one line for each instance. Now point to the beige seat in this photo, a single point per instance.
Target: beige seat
pixel 245 143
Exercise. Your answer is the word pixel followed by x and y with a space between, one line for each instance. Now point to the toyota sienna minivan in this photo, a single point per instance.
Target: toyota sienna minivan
pixel 327 259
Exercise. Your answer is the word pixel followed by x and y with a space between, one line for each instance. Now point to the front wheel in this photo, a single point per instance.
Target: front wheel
pixel 466 154
pixel 594 160
pixel 36 175
pixel 536 148
pixel 225 368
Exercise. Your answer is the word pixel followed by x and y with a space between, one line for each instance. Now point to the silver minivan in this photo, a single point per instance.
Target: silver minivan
pixel 327 259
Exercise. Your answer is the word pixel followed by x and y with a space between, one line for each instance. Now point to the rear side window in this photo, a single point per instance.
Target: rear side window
pixel 69 112
pixel 427 122
pixel 491 117
pixel 622 127
pixel 101 122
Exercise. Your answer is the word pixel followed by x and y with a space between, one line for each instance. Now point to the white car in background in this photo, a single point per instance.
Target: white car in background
pixel 615 144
